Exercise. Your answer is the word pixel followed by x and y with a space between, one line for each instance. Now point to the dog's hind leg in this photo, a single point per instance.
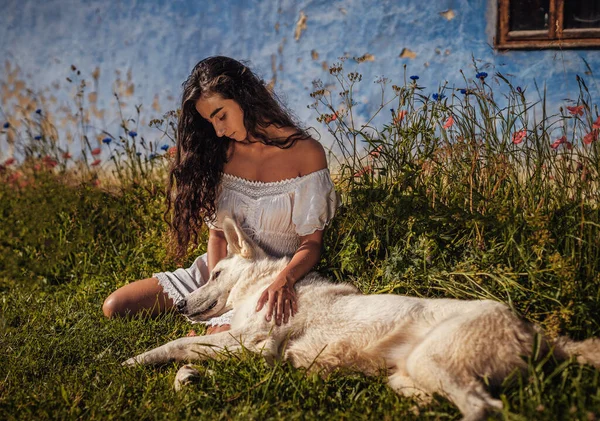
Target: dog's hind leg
pixel 444 363
pixel 194 348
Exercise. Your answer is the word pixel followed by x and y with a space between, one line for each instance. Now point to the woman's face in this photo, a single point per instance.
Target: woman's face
pixel 225 115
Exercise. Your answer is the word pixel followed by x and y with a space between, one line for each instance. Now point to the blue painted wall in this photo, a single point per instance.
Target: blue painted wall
pixel 145 49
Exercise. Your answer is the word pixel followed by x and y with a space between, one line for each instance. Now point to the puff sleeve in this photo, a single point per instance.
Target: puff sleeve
pixel 315 203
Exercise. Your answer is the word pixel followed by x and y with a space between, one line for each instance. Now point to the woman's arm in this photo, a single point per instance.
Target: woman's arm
pixel 280 296
pixel 217 248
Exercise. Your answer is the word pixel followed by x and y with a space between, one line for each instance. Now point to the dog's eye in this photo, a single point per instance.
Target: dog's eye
pixel 216 274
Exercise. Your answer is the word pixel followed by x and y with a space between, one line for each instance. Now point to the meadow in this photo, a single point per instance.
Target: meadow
pixel 476 191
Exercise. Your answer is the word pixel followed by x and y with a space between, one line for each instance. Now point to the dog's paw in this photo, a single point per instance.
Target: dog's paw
pixel 184 376
pixel 130 362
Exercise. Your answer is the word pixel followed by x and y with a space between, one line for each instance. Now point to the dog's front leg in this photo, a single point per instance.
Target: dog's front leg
pixel 189 349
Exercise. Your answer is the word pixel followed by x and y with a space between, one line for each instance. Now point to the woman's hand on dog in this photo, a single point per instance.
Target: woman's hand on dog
pixel 280 298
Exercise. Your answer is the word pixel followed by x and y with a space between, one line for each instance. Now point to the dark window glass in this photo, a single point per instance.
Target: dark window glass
pixel 529 15
pixel 582 14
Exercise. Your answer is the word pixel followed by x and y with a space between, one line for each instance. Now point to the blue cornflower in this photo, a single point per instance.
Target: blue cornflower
pixel 519 90
pixel 38 111
pixel 38 137
pixel 481 75
pixel 164 147
pixel 138 153
pixel 6 125
pixel 463 91
pixel 414 77
pixel 106 140
pixel 438 97
pixel 152 156
pixel 132 134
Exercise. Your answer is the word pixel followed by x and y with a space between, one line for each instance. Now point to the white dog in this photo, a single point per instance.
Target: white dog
pixel 426 346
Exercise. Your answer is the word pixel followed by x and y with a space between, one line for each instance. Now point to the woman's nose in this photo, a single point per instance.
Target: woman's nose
pixel 219 130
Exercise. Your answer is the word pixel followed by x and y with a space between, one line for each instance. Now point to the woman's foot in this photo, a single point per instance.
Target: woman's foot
pixel 217 329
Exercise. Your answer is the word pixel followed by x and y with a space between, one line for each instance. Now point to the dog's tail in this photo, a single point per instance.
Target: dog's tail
pixel 586 352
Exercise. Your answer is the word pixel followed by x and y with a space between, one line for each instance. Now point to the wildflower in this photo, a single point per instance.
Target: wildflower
pixel 449 123
pixel 562 140
pixel 191 333
pixel 578 110
pixel 438 97
pixel 376 152
pixel 364 170
pixel 481 75
pixel 38 137
pixel 400 116
pixel 414 77
pixel 49 162
pixel 172 150
pixel 132 134
pixel 6 125
pixel 463 91
pixel 152 156
pixel 330 117
pixel 138 153
pixel 66 155
pixel 519 136
pixel 107 140
pixel 165 147
pixel 96 162
pixel 591 137
pixel 38 111
pixel 96 151
pixel 596 124
pixel 9 161
pixel 519 90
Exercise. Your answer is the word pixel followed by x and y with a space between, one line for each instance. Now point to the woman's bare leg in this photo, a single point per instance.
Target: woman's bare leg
pixel 146 294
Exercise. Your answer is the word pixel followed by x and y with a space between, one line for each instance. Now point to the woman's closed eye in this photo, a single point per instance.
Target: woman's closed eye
pixel 223 116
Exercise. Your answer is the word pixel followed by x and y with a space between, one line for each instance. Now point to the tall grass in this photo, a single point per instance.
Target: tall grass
pixel 472 192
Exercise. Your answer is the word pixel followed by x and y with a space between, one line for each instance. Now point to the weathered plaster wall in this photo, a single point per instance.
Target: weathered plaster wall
pixel 153 44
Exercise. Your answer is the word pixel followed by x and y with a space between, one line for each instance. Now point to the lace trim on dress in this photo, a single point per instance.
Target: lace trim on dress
pixel 168 287
pixel 256 189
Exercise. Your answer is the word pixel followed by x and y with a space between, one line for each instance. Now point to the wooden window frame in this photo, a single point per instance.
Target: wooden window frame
pixel 554 37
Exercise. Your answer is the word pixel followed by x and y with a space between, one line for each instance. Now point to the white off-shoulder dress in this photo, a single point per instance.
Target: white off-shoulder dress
pixel 274 214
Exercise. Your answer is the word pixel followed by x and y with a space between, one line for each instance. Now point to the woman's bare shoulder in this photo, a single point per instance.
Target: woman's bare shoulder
pixel 310 156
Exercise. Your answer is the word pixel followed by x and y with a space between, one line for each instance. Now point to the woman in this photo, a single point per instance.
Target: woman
pixel 239 154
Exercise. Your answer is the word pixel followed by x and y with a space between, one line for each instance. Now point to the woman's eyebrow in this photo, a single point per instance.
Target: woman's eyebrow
pixel 215 111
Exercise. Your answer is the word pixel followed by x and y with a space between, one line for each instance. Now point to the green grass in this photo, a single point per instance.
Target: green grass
pixel 458 212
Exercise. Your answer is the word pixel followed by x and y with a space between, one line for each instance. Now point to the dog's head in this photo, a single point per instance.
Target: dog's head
pixel 212 299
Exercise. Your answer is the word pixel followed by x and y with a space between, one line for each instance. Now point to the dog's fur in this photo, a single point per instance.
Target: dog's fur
pixel 446 346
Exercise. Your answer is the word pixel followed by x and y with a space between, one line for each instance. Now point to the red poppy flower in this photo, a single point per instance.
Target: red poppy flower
pixel 449 123
pixel 66 155
pixel 9 161
pixel 363 171
pixel 330 118
pixel 96 162
pixel 596 124
pixel 591 137
pixel 49 162
pixel 519 136
pixel 576 110
pixel 562 140
pixel 172 150
pixel 376 152
pixel 400 116
pixel 96 151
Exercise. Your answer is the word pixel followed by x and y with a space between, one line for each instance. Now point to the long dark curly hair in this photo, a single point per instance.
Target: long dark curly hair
pixel 195 173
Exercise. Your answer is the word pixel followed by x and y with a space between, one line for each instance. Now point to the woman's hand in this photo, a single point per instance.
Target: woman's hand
pixel 280 298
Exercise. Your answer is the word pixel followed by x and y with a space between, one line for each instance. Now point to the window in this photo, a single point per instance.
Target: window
pixel 548 23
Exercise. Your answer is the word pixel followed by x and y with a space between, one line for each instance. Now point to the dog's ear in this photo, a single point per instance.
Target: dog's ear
pixel 238 242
